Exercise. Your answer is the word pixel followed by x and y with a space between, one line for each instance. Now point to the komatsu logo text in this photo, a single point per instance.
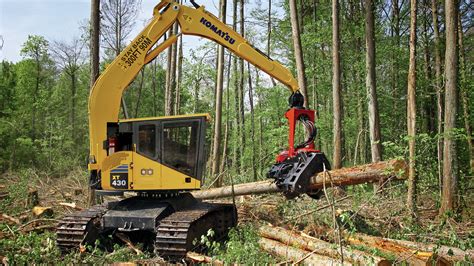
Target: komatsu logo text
pixel 224 35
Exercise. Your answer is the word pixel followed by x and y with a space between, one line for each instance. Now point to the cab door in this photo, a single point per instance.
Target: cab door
pixel 146 166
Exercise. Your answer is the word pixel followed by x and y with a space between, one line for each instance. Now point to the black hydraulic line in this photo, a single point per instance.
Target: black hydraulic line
pixel 195 4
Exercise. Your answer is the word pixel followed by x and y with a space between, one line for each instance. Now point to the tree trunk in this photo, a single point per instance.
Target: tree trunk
pixel 368 173
pixel 269 35
pixel 374 121
pixel 242 88
pixel 450 174
pixel 236 149
pixel 464 94
pixel 300 67
pixel 94 57
pixel 227 118
pixel 319 246
pixel 439 91
pixel 336 88
pixel 177 100
pixel 94 41
pixel 218 105
pixel 252 125
pixel 428 110
pixel 411 112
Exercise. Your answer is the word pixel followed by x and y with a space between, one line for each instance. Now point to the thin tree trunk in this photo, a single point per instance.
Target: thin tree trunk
pixel 252 125
pixel 236 150
pixel 428 111
pixel 227 118
pixel 169 55
pixel 336 87
pixel 153 86
pixel 395 66
pixel 300 66
pixel 450 174
pixel 94 57
pixel 374 121
pixel 269 35
pixel 218 105
pixel 94 41
pixel 177 100
pixel 411 111
pixel 439 91
pixel 242 87
pixel 464 94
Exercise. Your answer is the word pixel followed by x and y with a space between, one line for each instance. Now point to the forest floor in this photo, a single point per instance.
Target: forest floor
pixel 26 238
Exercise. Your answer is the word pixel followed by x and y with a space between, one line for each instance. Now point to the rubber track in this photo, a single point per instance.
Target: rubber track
pixel 175 233
pixel 73 228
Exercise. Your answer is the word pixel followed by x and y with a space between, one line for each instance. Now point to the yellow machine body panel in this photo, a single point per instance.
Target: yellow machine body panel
pixel 110 159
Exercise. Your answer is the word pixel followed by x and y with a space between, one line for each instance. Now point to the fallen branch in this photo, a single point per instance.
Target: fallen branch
pixel 320 247
pixel 36 221
pixel 368 173
pixel 11 219
pixel 294 254
pixel 129 243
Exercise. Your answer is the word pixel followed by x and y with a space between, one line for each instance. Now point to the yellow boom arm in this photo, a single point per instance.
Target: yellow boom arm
pixel 105 96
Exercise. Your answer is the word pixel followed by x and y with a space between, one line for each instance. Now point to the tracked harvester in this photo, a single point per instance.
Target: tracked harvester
pixel 162 158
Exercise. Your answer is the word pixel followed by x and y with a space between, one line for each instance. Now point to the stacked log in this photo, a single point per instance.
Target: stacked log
pixel 369 173
pixel 320 247
pixel 296 246
pixel 414 251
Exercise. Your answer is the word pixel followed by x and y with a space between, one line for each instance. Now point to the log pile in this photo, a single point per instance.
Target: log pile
pixel 369 173
pixel 301 248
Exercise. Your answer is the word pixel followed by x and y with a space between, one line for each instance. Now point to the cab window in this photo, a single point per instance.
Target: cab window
pixel 180 141
pixel 147 140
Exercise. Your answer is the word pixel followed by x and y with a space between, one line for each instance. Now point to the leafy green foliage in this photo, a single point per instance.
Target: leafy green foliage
pixel 242 247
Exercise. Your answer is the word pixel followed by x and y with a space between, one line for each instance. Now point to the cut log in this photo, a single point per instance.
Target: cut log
pixel 403 253
pixel 199 258
pixel 369 173
pixel 450 254
pixel 71 205
pixel 296 255
pixel 320 247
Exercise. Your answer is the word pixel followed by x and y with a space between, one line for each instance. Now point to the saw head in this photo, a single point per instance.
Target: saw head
pixel 295 167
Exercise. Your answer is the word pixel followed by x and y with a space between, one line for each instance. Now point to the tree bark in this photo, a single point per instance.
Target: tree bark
pixel 218 105
pixel 236 149
pixel 450 174
pixel 179 77
pixel 300 66
pixel 374 120
pixel 411 112
pixel 242 87
pixel 319 246
pixel 368 173
pixel 464 94
pixel 439 91
pixel 269 35
pixel 252 125
pixel 295 254
pixel 336 88
pixel 94 41
pixel 94 57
